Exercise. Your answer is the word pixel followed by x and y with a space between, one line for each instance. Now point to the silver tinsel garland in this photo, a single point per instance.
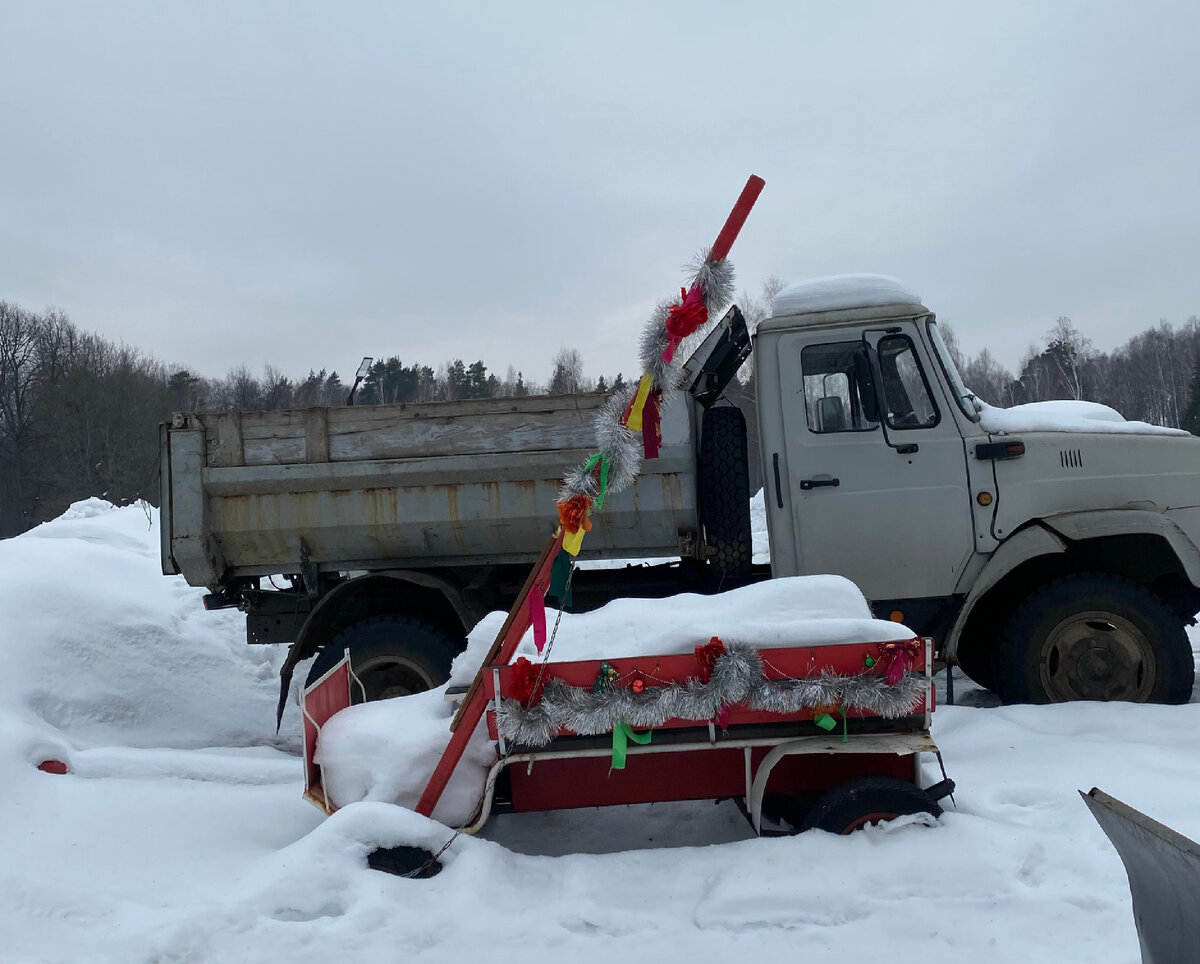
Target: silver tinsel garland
pixel 618 445
pixel 737 677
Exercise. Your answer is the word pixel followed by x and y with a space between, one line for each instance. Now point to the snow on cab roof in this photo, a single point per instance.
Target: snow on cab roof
pixel 842 291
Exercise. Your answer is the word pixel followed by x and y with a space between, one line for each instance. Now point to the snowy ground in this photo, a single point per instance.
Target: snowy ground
pixel 180 834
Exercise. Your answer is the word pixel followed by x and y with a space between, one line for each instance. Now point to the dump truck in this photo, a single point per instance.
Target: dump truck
pixel 1051 564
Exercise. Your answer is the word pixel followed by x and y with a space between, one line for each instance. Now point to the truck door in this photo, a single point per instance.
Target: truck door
pixel 888 509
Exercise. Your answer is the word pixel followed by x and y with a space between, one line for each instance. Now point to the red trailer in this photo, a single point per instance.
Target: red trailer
pixel 832 733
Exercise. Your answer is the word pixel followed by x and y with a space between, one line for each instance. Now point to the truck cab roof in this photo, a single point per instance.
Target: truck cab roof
pixel 850 296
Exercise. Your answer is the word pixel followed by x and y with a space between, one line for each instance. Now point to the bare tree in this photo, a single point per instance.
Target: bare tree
pixel 567 378
pixel 988 379
pixel 277 389
pixel 21 373
pixel 1068 352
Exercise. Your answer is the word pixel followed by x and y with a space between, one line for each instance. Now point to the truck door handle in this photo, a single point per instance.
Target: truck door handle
pixel 807 484
pixel 778 487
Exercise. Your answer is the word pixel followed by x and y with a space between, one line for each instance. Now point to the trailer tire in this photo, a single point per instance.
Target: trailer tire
pixel 414 862
pixel 865 800
pixel 724 492
pixel 392 655
pixel 1094 637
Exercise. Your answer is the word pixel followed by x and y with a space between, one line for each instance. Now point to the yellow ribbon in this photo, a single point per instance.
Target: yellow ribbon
pixel 634 424
pixel 573 540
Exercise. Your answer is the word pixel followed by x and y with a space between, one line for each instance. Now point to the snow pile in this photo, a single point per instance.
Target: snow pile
pixel 154 849
pixel 842 291
pixel 796 611
pixel 98 646
pixel 387 751
pixel 1065 415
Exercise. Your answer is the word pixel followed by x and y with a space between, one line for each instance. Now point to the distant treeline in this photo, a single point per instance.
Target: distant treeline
pixel 79 415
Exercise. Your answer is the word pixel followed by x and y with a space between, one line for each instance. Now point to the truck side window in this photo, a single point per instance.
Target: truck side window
pixel 906 395
pixel 832 401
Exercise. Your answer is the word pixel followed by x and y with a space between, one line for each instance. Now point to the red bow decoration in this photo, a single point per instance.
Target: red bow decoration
pixel 528 682
pixel 707 656
pixel 898 657
pixel 684 318
pixel 573 513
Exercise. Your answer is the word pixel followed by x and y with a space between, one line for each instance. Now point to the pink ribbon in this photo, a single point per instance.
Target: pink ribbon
pixel 537 616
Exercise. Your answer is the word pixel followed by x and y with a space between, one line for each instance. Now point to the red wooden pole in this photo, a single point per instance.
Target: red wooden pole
pixel 518 617
pixel 737 217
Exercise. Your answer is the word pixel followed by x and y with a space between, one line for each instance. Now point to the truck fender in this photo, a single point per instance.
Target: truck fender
pixel 322 623
pixel 1098 523
pixel 315 629
pixel 1020 547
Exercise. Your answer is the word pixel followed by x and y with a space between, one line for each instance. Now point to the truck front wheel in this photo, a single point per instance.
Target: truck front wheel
pixel 393 655
pixel 1094 637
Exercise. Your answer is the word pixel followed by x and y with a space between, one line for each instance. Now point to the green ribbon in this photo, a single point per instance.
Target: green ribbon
pixel 591 464
pixel 622 733
pixel 845 725
pixel 560 573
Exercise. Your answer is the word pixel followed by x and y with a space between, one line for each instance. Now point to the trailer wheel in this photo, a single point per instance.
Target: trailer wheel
pixel 393 655
pixel 856 803
pixel 1095 637
pixel 724 491
pixel 413 862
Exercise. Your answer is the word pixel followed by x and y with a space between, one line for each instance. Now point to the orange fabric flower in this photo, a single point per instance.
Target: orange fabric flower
pixel 573 513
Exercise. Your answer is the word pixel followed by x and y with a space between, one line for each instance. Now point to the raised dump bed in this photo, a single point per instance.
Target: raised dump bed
pixel 414 485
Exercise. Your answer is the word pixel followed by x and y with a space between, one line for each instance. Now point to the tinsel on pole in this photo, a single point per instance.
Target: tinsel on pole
pixel 636 409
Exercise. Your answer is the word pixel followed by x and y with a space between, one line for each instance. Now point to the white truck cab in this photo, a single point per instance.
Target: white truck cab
pixel 1053 564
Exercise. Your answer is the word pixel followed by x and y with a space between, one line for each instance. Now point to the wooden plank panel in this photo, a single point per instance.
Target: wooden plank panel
pixel 498 432
pixel 229 435
pixel 316 435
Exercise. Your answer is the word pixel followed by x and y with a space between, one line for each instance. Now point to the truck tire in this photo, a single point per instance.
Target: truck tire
pixel 1094 637
pixel 724 492
pixel 393 655
pixel 856 803
pixel 977 663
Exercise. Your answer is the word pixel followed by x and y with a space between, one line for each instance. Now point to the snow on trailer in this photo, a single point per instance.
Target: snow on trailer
pixel 811 702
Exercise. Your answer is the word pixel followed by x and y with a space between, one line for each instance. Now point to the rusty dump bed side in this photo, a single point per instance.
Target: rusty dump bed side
pixel 413 485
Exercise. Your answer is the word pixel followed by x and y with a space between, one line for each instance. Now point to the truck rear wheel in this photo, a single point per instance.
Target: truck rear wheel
pixel 1095 637
pixel 724 492
pixel 393 655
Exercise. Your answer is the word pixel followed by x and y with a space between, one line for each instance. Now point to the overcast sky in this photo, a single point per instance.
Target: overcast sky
pixel 305 184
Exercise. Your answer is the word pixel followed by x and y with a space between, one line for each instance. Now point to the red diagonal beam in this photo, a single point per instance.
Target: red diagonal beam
pixel 501 652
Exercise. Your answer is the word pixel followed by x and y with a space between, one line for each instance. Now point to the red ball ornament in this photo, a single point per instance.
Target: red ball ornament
pixel 637 685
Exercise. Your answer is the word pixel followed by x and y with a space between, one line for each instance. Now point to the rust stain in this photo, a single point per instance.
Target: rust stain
pixel 491 492
pixel 451 493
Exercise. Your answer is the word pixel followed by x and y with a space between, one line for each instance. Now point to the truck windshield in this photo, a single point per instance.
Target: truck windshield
pixel 963 395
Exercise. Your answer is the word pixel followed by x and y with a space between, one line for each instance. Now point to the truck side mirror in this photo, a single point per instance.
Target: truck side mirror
pixel 866 386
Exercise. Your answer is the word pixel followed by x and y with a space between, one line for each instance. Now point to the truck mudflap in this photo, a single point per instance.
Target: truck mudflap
pixel 1164 878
